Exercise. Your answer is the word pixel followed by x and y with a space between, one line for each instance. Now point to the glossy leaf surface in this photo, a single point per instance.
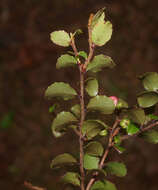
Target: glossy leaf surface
pixel 147 99
pixel 76 110
pixel 99 62
pixel 94 148
pixel 60 90
pixel 91 128
pixel 72 178
pixel 102 104
pixel 60 38
pixel 92 87
pixel 116 168
pixel 103 185
pixel 63 159
pixel 121 104
pixel 97 17
pixel 66 61
pixel 150 81
pixel 132 129
pixel 101 32
pixel 61 122
pixel 137 115
pixel 90 162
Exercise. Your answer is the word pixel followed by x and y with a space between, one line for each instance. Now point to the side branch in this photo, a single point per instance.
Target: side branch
pixel 92 180
pixel 91 45
pixel 30 186
pixel 148 127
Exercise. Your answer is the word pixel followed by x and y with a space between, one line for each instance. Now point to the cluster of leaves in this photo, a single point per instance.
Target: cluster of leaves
pixel 129 121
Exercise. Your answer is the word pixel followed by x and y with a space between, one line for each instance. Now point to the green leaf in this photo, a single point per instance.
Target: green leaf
pixel 99 16
pixel 147 99
pixel 117 139
pixel 116 168
pixel 103 185
pixel 63 159
pixel 82 54
pixel 101 103
pixel 52 108
pixel 90 162
pixel 60 90
pixel 132 129
pixel 91 128
pixel 92 87
pixel 101 32
pixel 137 115
pixel 61 122
pixel 119 148
pixel 76 110
pixel 151 136
pixel 94 148
pixel 99 62
pixel 7 120
pixel 103 132
pixel 124 123
pixel 66 61
pixel 60 38
pixel 77 32
pixel 150 81
pixel 153 116
pixel 121 104
pixel 72 178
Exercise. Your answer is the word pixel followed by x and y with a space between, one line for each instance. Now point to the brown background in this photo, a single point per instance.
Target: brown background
pixel 27 67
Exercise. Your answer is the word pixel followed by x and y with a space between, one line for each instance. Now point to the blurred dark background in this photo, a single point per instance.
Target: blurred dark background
pixel 27 67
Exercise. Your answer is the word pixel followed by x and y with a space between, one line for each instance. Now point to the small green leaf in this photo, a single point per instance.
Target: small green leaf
pixel 132 129
pixel 147 99
pixel 82 54
pixel 63 159
pixel 60 90
pixel 52 108
pixel 101 103
pixel 60 38
pixel 72 178
pixel 91 128
pixel 101 32
pixel 116 168
pixel 90 162
pixel 103 132
pixel 92 87
pixel 94 148
pixel 77 32
pixel 119 148
pixel 153 116
pixel 61 122
pixel 99 62
pixel 103 185
pixel 150 81
pixel 137 115
pixel 151 136
pixel 97 17
pixel 124 123
pixel 66 61
pixel 117 139
pixel 121 104
pixel 76 110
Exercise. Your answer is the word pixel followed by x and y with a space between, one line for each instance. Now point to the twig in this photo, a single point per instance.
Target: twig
pixel 91 45
pixel 139 132
pixel 30 186
pixel 92 180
